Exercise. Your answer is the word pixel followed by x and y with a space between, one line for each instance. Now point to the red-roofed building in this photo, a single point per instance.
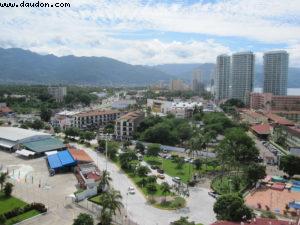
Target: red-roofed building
pixel 257 221
pixel 273 118
pixel 5 111
pixel 261 130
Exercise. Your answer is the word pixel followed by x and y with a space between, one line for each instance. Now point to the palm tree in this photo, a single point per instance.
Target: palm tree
pixel 3 177
pixel 104 182
pixel 105 217
pixel 165 189
pixel 111 202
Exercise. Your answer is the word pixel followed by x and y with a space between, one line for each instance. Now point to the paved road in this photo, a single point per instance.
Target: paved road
pixel 199 204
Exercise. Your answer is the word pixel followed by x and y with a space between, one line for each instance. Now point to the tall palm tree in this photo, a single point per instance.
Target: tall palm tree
pixel 3 177
pixel 111 203
pixel 104 182
pixel 165 189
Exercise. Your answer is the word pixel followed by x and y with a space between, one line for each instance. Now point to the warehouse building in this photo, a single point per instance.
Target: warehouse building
pixel 16 139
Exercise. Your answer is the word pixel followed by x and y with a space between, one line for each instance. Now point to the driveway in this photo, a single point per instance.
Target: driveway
pixel 199 204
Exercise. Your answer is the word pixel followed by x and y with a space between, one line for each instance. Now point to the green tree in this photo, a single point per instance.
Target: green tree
pixel 231 207
pixel 111 203
pixel 72 132
pixel 198 164
pixel 290 164
pixel 3 177
pixel 165 189
pixel 8 188
pixel 255 172
pixel 184 131
pixel 142 171
pixel 126 158
pixel 237 148
pixel 179 163
pixel 153 149
pixel 2 219
pixel 151 189
pixel 151 179
pixel 83 219
pixel 104 182
pixel 140 147
pixel 46 114
pixel 112 149
pixel 37 124
pixel 182 221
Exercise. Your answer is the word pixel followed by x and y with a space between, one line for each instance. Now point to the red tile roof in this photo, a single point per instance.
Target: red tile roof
pixel 257 221
pixel 280 120
pixel 80 155
pixel 261 128
pixel 5 109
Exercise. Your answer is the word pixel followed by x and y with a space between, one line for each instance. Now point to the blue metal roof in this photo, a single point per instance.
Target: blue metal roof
pixel 66 158
pixel 61 159
pixel 295 205
pixel 54 161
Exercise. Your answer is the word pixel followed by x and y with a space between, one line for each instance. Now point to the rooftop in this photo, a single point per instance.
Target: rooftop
pixel 261 128
pixel 256 221
pixel 97 112
pixel 80 155
pixel 45 145
pixel 278 119
pixel 16 134
pixel 131 116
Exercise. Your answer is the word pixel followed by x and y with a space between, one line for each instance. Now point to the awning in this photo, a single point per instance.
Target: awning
pixel 50 153
pixel 7 144
pixel 25 152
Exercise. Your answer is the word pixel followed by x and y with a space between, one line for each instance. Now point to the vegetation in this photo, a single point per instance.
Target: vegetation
pixel 290 164
pixel 231 207
pixel 169 130
pixel 104 182
pixel 8 188
pixel 84 219
pixel 111 203
pixel 153 150
pixel 182 221
pixel 3 177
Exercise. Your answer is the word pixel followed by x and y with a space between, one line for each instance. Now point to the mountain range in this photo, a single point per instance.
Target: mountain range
pixel 23 66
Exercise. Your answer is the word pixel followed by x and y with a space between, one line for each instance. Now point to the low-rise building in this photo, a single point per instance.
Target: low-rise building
pixel 292 135
pixel 127 124
pixel 5 110
pixel 252 117
pixel 95 118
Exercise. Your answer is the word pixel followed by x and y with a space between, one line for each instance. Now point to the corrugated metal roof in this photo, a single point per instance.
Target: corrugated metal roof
pixel 16 134
pixel 54 161
pixel 45 145
pixel 61 159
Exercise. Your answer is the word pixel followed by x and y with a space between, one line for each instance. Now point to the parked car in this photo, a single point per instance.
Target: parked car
pixel 161 176
pixel 161 171
pixel 131 190
pixel 213 194
pixel 154 167
pixel 176 179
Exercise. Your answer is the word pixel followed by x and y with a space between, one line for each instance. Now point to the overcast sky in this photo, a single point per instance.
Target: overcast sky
pixel 155 32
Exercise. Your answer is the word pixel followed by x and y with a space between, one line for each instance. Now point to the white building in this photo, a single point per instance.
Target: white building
pixel 242 76
pixel 222 77
pixel 276 67
pixel 127 124
pixel 58 93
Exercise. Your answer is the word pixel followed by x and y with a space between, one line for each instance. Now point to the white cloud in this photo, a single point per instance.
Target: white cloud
pixel 88 26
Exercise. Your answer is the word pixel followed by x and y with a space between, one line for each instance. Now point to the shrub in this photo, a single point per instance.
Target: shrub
pixel 2 219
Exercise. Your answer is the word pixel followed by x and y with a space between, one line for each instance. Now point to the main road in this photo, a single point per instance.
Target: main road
pixel 199 205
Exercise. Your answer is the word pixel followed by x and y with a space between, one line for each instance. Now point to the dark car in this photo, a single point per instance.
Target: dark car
pixel 161 171
pixel 154 167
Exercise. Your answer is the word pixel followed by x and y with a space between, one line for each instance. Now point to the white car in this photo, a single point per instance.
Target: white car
pixel 131 190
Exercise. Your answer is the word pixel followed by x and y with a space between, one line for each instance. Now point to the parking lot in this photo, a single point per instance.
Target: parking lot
pixel 32 183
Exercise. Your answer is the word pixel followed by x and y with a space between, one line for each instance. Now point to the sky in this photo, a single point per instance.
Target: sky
pixel 151 32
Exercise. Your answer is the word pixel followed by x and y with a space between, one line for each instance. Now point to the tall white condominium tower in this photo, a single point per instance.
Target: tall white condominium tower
pixel 222 77
pixel 242 76
pixel 197 85
pixel 276 66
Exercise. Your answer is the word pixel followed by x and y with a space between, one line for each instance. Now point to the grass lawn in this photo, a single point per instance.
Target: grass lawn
pixel 9 203
pixel 22 217
pixel 177 203
pixel 95 199
pixel 187 171
pixel 224 185
pixel 169 167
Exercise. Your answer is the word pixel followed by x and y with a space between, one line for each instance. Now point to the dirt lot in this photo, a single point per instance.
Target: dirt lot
pixel 32 183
